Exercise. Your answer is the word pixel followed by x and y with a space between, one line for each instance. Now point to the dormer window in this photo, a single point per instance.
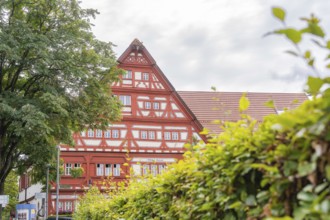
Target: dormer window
pixel 145 76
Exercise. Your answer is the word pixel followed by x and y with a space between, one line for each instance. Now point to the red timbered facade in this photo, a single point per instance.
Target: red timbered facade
pixel 156 125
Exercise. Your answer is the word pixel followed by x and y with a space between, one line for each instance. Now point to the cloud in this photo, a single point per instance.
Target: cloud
pixel 204 43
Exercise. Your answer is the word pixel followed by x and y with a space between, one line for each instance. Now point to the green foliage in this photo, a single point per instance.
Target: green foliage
pixel 11 189
pixel 54 79
pixel 276 170
pixel 77 172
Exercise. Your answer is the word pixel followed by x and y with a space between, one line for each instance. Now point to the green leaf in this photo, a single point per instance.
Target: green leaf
pixel 278 13
pixel 314 84
pixel 292 34
pixel 270 104
pixel 244 103
pixel 306 168
pixel 307 54
pixel 328 44
pixel 327 172
pixel 316 30
pixel 306 196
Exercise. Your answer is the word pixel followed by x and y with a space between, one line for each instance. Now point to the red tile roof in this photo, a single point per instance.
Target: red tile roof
pixel 224 106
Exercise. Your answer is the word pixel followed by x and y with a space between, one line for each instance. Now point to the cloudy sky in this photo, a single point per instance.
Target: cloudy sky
pixel 204 43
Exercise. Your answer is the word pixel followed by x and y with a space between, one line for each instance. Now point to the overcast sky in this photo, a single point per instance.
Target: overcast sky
pixel 204 43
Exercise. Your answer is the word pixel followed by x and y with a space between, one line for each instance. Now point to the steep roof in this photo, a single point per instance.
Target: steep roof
pixel 224 106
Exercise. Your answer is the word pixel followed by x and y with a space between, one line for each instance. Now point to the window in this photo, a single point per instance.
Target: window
pixel 125 100
pixel 98 133
pixel 83 133
pixel 167 135
pixel 153 169
pixel 151 135
pixel 156 105
pixel 108 170
pixel 116 169
pixel 68 167
pixel 115 133
pixel 147 105
pixel 76 165
pixel 145 76
pixel 175 136
pixel 161 168
pixel 60 205
pixel 107 134
pixel 145 169
pixel 128 74
pixel 68 205
pixel 99 169
pixel 144 135
pixel 90 133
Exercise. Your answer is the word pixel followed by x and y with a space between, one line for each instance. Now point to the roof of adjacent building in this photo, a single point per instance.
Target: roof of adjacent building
pixel 224 106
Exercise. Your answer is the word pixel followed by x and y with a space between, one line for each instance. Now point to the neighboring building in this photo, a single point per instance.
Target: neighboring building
pixel 157 122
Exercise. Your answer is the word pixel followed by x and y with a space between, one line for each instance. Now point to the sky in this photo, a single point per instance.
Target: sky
pixel 199 44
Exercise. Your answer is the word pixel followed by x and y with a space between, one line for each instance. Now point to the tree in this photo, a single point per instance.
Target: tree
pixel 11 189
pixel 54 79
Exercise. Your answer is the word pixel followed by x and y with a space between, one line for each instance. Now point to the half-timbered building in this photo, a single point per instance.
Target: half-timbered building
pixel 157 122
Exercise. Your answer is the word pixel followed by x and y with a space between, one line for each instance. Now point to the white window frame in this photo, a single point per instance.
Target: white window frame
pixel 144 135
pixel 90 133
pixel 116 170
pixel 108 169
pixel 156 105
pixel 99 169
pixel 115 133
pixel 147 105
pixel 107 134
pixel 68 167
pixel 128 74
pixel 167 135
pixel 68 205
pixel 83 133
pixel 175 136
pixel 152 135
pixel 145 76
pixel 154 169
pixel 125 100
pixel 77 165
pixel 145 169
pixel 161 168
pixel 98 133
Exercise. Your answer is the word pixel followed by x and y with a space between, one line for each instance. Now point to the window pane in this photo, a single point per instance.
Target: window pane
pixel 175 136
pixel 115 133
pixel 116 169
pixel 156 105
pixel 167 136
pixel 108 170
pixel 107 134
pixel 154 170
pixel 125 100
pixel 147 105
pixel 151 135
pixel 98 133
pixel 99 169
pixel 145 76
pixel 144 135
pixel 90 133
pixel 128 74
